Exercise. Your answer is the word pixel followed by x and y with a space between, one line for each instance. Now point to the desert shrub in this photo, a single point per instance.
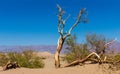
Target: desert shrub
pixel 116 61
pixel 27 59
pixel 117 57
pixel 79 52
pixel 97 42
pixel 3 59
pixel 75 51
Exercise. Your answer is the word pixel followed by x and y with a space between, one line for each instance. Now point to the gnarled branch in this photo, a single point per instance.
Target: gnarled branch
pixel 11 65
pixel 83 60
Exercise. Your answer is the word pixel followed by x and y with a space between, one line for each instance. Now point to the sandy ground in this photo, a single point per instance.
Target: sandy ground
pixel 50 69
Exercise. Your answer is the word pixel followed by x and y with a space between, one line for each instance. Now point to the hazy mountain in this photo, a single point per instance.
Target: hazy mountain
pixel 41 48
pixel 115 46
pixel 48 48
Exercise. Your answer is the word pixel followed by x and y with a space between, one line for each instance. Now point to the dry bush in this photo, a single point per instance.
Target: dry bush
pixel 116 61
pixel 97 43
pixel 78 52
pixel 75 51
pixel 27 59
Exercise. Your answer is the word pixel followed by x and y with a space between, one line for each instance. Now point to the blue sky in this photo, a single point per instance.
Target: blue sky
pixel 34 22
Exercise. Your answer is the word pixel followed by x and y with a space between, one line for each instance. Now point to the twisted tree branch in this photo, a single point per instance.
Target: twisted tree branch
pixel 83 60
pixel 76 23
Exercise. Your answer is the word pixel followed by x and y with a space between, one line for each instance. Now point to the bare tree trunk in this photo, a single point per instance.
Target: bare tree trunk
pixel 59 47
pixel 64 35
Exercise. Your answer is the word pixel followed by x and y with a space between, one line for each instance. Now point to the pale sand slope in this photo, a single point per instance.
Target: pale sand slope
pixel 50 69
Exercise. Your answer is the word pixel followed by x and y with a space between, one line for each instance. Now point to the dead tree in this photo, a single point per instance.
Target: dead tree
pixel 98 60
pixel 63 36
pixel 83 60
pixel 106 45
pixel 88 58
pixel 11 65
pixel 98 43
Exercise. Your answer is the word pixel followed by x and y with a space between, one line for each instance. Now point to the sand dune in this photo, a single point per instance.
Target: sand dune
pixel 50 69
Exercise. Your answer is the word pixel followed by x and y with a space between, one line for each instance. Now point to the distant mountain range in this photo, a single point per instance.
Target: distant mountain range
pixel 115 46
pixel 48 48
pixel 41 48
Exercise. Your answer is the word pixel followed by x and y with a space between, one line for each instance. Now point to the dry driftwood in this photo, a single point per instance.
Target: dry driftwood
pixel 11 65
pixel 98 60
pixel 101 61
pixel 83 60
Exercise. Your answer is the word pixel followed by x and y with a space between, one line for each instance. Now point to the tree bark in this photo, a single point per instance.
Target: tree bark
pixel 59 47
pixel 84 59
pixel 64 35
pixel 11 65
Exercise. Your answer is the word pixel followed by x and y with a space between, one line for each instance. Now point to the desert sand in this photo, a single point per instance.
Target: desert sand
pixel 50 68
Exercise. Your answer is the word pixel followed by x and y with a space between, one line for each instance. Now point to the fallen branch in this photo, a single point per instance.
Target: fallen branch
pixel 83 60
pixel 100 62
pixel 11 65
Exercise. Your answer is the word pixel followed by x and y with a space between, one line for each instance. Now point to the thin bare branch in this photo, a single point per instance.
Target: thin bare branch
pixel 107 44
pixel 76 23
pixel 60 10
pixel 64 22
pixel 59 28
pixel 67 18
pixel 59 18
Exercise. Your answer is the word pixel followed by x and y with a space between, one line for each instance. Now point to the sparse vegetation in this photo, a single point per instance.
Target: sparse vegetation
pixel 115 58
pixel 78 52
pixel 97 43
pixel 27 58
pixel 75 51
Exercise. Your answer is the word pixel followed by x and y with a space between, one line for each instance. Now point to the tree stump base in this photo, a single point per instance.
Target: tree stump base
pixel 11 65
